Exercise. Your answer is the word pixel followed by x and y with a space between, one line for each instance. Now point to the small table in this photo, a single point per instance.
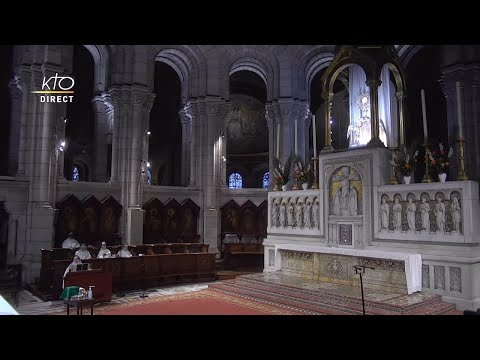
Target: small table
pixel 80 304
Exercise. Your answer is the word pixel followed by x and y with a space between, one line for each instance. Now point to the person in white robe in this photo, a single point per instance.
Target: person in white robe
pixel 104 252
pixel 83 253
pixel 124 253
pixel 70 242
pixel 72 267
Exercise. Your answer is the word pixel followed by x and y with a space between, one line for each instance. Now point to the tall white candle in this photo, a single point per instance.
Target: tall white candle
pixel 314 137
pixel 278 141
pixel 459 112
pixel 424 114
pixel 296 143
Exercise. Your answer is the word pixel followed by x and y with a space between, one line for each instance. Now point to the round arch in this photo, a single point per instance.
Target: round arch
pixel 264 65
pixel 101 58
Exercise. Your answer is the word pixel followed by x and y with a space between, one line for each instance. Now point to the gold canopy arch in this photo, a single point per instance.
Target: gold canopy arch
pixel 371 58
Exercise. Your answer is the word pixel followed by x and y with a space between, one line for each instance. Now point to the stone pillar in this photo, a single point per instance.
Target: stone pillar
pixel 327 96
pixel 101 146
pixel 27 99
pixel 469 78
pixel 186 121
pixel 401 117
pixel 15 125
pixel 272 140
pixel 195 157
pixel 375 141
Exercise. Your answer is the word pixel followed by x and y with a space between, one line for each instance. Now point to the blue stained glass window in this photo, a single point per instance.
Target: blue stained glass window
pixel 75 174
pixel 266 180
pixel 149 177
pixel 235 181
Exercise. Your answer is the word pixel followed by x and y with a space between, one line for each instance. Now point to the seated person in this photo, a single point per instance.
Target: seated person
pixel 72 267
pixel 124 253
pixel 104 252
pixel 70 242
pixel 83 253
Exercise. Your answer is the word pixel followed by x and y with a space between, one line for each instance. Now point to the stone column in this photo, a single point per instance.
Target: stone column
pixel 101 147
pixel 114 99
pixel 272 140
pixel 375 141
pixel 15 125
pixel 195 158
pixel 186 121
pixel 327 96
pixel 401 117
pixel 25 77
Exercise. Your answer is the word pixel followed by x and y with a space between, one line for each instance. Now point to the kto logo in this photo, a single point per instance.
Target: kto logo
pixel 59 85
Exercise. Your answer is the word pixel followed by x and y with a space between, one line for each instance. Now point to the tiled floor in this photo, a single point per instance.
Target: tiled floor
pixel 32 305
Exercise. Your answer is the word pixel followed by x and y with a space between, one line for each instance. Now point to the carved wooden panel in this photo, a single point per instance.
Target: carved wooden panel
pixel 248 216
pixel 231 218
pixel 262 219
pixel 190 217
pixel 110 213
pixel 90 219
pixel 153 228
pixel 68 219
pixel 172 220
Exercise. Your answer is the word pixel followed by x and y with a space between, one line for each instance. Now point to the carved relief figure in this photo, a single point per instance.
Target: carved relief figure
pixel 385 211
pixel 346 195
pixel 411 209
pixel 307 214
pixel 188 221
pixel 439 211
pixel 397 215
pixel 315 209
pixel 455 209
pixel 283 211
pixel 69 220
pixel 425 214
pixel 90 219
pixel 275 214
pixel 172 224
pixel 352 203
pixel 232 218
pixel 336 204
pixel 154 220
pixel 109 221
pixel 290 215
pixel 299 215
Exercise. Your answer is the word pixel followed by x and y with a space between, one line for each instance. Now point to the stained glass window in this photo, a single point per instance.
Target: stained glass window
pixel 235 181
pixel 149 177
pixel 266 180
pixel 75 174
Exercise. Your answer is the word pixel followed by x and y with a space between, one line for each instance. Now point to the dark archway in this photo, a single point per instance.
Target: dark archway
pixel 80 126
pixel 165 139
pixel 247 131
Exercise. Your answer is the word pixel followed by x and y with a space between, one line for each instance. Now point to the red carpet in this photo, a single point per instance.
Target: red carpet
pixel 205 302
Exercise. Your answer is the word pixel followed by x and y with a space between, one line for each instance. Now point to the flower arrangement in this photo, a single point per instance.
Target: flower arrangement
pixel 440 158
pixel 403 161
pixel 281 173
pixel 301 171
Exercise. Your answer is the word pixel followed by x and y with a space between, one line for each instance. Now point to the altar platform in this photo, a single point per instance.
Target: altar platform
pixel 314 297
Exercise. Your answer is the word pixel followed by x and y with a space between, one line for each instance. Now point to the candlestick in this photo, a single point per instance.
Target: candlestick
pixel 315 173
pixel 278 141
pixel 459 112
pixel 462 174
pixel 426 177
pixel 296 145
pixel 393 179
pixel 424 114
pixel 314 137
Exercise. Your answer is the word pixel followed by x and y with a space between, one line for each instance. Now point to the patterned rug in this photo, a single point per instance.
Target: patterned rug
pixel 204 302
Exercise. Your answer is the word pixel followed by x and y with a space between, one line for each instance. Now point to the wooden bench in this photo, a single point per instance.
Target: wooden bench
pixel 244 257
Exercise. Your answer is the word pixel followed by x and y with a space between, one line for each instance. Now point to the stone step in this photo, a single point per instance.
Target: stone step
pixel 338 299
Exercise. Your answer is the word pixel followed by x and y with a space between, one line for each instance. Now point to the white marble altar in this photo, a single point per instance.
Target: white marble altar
pixel 412 262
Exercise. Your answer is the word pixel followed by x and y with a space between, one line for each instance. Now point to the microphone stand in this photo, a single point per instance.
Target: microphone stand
pixel 360 270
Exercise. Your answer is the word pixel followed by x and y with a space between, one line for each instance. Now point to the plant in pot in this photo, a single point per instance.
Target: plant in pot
pixel 281 173
pixel 301 173
pixel 405 163
pixel 439 158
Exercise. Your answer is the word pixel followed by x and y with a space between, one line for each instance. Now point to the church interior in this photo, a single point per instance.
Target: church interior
pixel 240 179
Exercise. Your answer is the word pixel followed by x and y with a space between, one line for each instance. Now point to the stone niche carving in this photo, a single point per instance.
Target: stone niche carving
pixel 345 192
pixel 420 213
pixel 300 213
